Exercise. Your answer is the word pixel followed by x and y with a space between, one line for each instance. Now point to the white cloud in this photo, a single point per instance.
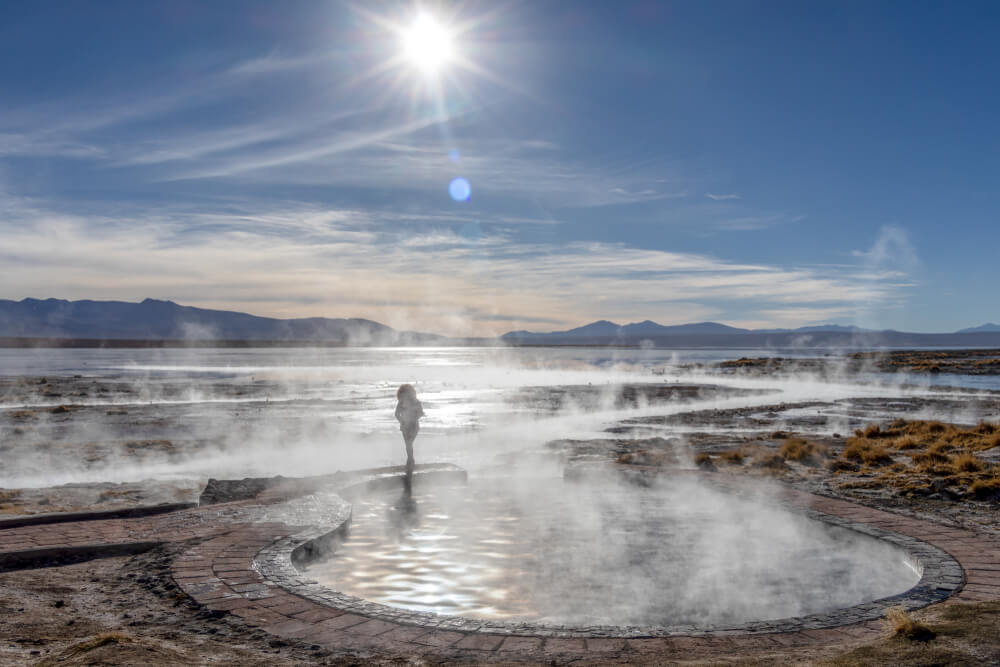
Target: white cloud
pixel 313 261
pixel 722 197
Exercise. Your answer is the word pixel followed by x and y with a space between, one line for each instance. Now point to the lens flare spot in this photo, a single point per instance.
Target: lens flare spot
pixel 459 189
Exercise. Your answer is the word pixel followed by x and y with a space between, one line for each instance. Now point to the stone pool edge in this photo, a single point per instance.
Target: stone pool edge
pixel 942 576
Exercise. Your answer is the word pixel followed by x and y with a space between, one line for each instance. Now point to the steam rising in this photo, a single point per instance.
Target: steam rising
pixel 235 413
pixel 530 547
pixel 500 549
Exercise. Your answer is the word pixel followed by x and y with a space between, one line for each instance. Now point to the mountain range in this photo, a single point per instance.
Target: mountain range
pixel 36 321
pixel 713 334
pixel 166 320
pixel 649 328
pixel 989 327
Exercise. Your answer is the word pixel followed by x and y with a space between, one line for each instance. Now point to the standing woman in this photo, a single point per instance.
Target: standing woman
pixel 408 413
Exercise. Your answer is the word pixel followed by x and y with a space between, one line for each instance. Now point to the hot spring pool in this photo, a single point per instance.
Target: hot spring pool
pixel 542 550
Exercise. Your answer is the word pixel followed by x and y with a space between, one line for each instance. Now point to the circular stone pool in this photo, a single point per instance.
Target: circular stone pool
pixel 542 550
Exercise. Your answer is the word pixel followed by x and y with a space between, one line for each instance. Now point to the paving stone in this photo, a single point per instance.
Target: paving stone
pixel 521 644
pixel 259 615
pixel 318 613
pixel 342 621
pixel 407 633
pixel 439 638
pixel 289 629
pixel 372 628
pixel 254 556
pixel 603 645
pixel 230 604
pixel 479 642
pixel 557 645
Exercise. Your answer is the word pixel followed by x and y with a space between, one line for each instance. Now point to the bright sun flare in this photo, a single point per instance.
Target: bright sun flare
pixel 428 44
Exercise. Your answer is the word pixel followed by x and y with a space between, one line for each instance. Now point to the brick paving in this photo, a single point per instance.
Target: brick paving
pixel 239 540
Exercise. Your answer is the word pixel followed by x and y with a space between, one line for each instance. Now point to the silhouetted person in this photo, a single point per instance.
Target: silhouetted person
pixel 408 412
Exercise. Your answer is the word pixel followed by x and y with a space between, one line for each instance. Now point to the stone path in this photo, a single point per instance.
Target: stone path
pixel 222 572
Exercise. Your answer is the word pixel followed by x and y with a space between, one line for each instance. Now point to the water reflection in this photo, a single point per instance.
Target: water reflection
pixel 600 554
pixel 402 517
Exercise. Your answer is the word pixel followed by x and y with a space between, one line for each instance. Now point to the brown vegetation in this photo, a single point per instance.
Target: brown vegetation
pixel 942 457
pixel 734 456
pixel 767 459
pixel 704 461
pixel 803 451
pixel 645 457
pixel 964 634
pixel 901 624
pixel 864 450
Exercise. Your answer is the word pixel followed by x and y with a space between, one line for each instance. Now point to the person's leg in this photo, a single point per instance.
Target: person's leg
pixel 408 441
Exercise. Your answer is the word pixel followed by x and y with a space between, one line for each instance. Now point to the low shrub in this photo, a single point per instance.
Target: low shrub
pixel 907 442
pixel 967 462
pixel 734 456
pixel 803 451
pixel 704 461
pixel 985 489
pixel 770 461
pixel 901 624
pixel 986 428
pixel 929 457
pixel 840 465
pixel 867 452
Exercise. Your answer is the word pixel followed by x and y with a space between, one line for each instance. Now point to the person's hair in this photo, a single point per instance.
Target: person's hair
pixel 407 391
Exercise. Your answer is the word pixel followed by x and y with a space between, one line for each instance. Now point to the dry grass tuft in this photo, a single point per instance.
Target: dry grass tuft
pixel 936 426
pixel 803 451
pixel 986 489
pixel 734 457
pixel 867 452
pixel 929 457
pixel 645 457
pixel 993 441
pixel 901 624
pixel 986 428
pixel 770 461
pixel 704 461
pixel 841 465
pixel 967 462
pixel 907 442
pixel 942 458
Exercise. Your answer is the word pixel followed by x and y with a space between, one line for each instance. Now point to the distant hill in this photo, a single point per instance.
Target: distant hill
pixel 166 320
pixel 985 328
pixel 713 334
pixel 817 328
pixel 646 329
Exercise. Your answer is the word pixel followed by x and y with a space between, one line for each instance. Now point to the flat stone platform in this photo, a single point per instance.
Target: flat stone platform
pixel 240 555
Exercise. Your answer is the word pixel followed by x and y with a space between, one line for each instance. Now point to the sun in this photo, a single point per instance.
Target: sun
pixel 428 44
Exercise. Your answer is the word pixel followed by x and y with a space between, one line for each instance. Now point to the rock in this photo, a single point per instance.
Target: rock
pixel 227 490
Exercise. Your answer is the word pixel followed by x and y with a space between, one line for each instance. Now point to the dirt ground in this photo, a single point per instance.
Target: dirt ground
pixel 126 610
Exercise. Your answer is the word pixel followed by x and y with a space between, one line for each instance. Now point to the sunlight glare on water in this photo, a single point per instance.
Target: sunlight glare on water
pixel 542 550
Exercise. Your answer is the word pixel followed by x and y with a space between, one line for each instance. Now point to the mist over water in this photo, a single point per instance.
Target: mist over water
pixel 261 412
pixel 519 542
pixel 528 546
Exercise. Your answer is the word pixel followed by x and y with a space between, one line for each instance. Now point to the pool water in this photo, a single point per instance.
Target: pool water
pixel 542 550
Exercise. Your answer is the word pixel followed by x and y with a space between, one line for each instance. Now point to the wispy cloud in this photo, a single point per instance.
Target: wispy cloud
pixel 340 262
pixel 715 197
pixel 324 137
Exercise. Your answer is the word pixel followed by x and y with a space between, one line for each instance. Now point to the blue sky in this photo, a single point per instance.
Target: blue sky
pixel 761 164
